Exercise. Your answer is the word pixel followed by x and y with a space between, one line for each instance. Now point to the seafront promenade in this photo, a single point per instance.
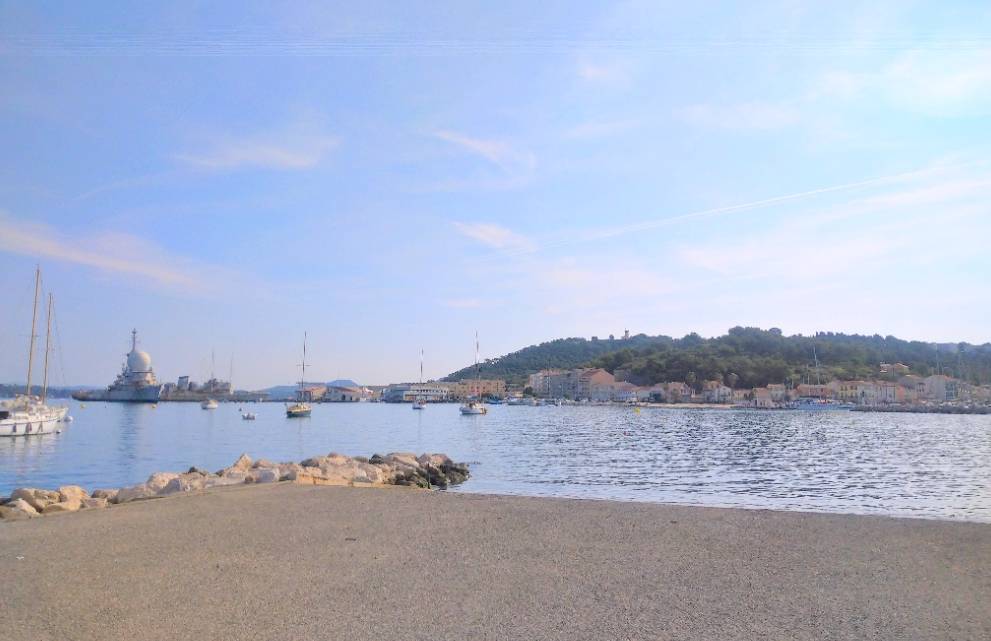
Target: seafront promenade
pixel 283 561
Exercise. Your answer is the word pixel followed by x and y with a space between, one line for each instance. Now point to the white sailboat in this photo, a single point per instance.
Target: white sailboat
pixel 27 414
pixel 300 409
pixel 419 403
pixel 473 407
pixel 209 404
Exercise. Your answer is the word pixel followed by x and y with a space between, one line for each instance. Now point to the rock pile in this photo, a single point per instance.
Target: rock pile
pixel 397 468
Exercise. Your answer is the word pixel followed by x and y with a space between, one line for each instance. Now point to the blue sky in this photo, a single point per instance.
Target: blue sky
pixel 391 176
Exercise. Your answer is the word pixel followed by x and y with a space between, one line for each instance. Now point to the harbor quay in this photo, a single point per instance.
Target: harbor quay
pixel 285 561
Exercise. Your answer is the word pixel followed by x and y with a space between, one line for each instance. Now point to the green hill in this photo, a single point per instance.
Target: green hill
pixel 746 356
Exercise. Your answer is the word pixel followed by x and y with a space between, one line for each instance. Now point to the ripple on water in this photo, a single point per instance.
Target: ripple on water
pixel 922 465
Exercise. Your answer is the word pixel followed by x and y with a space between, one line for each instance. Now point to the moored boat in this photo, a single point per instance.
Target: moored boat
pixel 300 409
pixel 209 404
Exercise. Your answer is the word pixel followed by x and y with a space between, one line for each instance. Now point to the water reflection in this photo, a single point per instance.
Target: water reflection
pixel 918 465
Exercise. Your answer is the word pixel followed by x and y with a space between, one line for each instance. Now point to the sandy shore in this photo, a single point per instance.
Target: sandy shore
pixel 289 562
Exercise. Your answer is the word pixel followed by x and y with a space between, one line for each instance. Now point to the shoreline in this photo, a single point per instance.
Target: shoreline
pixel 290 561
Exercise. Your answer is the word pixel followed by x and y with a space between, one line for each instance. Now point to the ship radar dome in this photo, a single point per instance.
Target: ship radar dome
pixel 138 361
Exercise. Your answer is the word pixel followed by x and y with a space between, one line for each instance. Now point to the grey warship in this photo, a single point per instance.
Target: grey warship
pixel 136 382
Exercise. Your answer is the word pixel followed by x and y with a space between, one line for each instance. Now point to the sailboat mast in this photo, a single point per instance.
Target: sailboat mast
pixel 302 374
pixel 421 366
pixel 34 321
pixel 48 339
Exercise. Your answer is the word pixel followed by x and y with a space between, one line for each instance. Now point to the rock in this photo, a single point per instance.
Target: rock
pixel 36 498
pixel 339 459
pixel 376 459
pixel 20 505
pixel 265 475
pixel 93 503
pixel 135 493
pixel 433 459
pixel 314 461
pixel 263 463
pixel 360 459
pixel 233 478
pixel 287 469
pixel 242 464
pixel 157 481
pixel 187 482
pixel 72 492
pixel 108 494
pixel 402 458
pixel 8 513
pixel 196 470
pixel 71 505
pixel 455 472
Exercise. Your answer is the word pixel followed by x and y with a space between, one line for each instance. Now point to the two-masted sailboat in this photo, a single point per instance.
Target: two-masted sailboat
pixel 474 406
pixel 300 409
pixel 27 414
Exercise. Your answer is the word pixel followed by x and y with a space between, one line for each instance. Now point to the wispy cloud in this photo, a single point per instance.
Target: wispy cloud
pixel 499 153
pixel 495 236
pixel 761 116
pixel 116 253
pixel 296 147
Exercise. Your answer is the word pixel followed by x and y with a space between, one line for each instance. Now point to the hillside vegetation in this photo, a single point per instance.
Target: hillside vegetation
pixel 745 356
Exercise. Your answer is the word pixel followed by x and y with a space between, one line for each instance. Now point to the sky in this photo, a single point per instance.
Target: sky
pixel 391 177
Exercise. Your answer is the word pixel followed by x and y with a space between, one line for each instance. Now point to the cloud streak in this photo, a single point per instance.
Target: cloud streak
pixel 299 147
pixel 495 236
pixel 497 152
pixel 115 253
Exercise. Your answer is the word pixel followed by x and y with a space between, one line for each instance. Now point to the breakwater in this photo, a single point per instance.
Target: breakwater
pixel 398 468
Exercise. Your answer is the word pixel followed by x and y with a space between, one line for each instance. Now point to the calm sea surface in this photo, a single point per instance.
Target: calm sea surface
pixel 919 465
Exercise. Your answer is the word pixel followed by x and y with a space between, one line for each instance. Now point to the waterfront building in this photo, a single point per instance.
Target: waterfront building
pixel 806 390
pixel 346 394
pixel 311 393
pixel 716 392
pixel 409 392
pixel 678 392
pixel 476 388
pixel 762 398
pixel 940 388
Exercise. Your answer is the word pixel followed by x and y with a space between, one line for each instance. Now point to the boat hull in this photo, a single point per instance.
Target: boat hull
pixel 150 394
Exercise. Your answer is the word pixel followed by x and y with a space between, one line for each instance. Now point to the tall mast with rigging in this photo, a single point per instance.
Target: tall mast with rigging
pixel 34 321
pixel 48 339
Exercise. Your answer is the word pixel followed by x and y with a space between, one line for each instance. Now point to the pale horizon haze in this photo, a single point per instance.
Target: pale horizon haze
pixel 395 176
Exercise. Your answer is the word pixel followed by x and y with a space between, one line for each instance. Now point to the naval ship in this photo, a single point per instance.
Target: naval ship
pixel 136 382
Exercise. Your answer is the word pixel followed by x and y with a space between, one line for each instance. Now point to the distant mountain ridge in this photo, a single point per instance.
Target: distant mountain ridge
pixel 748 356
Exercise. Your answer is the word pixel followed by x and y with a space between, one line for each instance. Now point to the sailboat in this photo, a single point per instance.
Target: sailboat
pixel 475 407
pixel 419 403
pixel 300 409
pixel 27 414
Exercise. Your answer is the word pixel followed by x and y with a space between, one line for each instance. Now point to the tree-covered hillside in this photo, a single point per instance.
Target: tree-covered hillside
pixel 563 353
pixel 745 356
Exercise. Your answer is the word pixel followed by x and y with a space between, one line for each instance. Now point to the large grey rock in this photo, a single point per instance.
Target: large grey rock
pixel 35 497
pixel 93 503
pixel 108 494
pixel 135 493
pixel 264 475
pixel 433 459
pixel 288 471
pixel 188 482
pixel 263 463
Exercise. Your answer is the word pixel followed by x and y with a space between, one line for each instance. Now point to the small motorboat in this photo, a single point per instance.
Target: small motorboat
pixel 419 405
pixel 248 416
pixel 209 404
